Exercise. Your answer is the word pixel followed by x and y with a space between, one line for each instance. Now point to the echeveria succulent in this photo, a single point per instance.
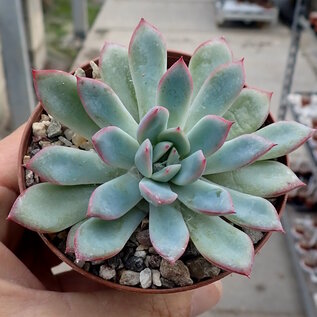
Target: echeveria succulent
pixel 164 144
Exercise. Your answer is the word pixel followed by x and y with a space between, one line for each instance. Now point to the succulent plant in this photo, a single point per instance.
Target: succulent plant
pixel 164 144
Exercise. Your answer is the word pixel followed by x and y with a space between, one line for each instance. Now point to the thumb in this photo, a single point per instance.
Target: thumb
pixel 17 300
pixel 190 303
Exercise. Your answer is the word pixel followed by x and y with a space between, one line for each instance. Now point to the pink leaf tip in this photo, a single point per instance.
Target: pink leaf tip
pixel 142 23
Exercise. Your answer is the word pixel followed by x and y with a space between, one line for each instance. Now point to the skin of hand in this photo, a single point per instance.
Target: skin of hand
pixel 28 288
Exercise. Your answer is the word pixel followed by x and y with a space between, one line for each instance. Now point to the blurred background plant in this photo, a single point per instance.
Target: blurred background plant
pixel 62 45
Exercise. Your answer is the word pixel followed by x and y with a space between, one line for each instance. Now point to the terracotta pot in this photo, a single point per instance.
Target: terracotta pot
pixel 26 140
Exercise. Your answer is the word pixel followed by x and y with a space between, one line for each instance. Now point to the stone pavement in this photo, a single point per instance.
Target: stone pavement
pixel 271 291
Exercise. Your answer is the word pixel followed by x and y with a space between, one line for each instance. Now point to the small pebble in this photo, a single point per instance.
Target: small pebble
pixel 45 117
pixel 145 223
pixel 143 237
pixel 135 264
pixel 152 250
pixel 200 268
pixel 46 123
pixel 133 239
pixel 141 248
pixel 29 179
pixel 34 149
pixel 44 144
pixel 155 261
pixel 106 272
pixel 177 273
pixel 140 254
pixel 65 141
pixel 69 134
pixel 54 129
pixel 255 235
pixel 39 129
pixel 79 263
pixel 129 278
pixel 146 261
pixel 86 146
pixel 167 283
pixel 146 278
pixel 191 251
pixel 156 278
pixel 95 70
pixel 80 72
pixel 26 159
pixel 78 140
pixel 94 269
pixel 126 253
pixel 36 139
pixel 33 152
pixel 59 143
pixel 36 179
pixel 115 262
pixel 131 244
pixel 86 266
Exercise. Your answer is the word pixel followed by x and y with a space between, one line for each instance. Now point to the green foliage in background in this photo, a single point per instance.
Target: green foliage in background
pixel 61 46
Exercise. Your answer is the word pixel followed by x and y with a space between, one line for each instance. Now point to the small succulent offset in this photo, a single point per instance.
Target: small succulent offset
pixel 167 147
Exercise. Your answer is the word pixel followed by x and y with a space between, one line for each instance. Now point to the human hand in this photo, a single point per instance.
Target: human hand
pixel 28 288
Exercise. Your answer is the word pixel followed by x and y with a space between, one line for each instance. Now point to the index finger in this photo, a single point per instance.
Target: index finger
pixel 9 190
pixel 9 148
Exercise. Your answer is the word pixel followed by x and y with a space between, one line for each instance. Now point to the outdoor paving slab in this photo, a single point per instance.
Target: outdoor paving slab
pixel 166 15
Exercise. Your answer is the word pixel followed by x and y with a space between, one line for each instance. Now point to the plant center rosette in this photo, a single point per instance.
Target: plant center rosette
pixel 183 147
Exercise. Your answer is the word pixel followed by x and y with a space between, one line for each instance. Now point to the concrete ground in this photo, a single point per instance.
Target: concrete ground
pixel 271 290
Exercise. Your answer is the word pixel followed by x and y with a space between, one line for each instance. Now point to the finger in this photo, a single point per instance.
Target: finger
pixel 14 271
pixel 10 232
pixel 74 282
pixel 9 148
pixel 34 252
pixel 205 298
pixel 115 303
pixel 31 266
pixel 106 303
pixel 27 245
pixel 35 255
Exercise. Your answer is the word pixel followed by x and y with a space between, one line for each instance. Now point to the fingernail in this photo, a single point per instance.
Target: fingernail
pixel 205 298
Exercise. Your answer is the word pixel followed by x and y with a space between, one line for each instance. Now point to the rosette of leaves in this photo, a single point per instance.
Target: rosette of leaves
pixel 165 145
